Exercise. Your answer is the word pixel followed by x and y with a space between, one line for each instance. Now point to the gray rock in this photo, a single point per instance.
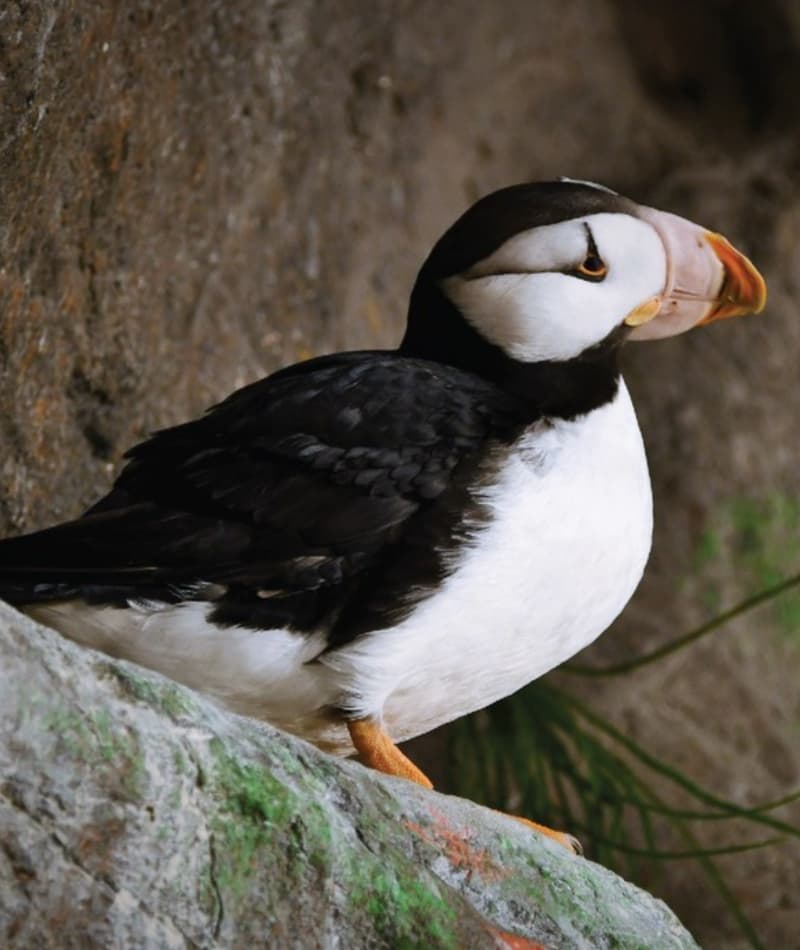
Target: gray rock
pixel 135 813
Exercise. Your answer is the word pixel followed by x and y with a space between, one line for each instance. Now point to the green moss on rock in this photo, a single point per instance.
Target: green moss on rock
pixel 405 911
pixel 159 694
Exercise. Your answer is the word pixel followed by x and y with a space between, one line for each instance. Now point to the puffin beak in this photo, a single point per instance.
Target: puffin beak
pixel 707 280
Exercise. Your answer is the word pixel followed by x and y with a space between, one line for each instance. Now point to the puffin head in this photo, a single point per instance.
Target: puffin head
pixel 560 273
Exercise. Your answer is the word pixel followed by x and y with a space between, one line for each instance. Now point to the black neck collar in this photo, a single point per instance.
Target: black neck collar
pixel 437 331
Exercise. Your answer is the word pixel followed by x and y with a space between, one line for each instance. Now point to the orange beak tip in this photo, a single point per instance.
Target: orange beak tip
pixel 743 289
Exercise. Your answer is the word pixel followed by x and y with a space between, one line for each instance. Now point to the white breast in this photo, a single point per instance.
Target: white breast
pixel 561 554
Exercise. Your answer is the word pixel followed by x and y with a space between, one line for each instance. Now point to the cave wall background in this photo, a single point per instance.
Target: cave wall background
pixel 193 194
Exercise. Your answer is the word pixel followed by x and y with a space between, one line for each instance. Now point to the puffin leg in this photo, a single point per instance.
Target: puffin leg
pixel 378 751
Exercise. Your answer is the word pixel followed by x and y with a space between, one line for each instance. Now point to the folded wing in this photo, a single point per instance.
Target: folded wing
pixel 287 504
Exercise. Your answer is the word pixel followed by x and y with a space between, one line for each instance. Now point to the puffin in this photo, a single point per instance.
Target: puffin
pixel 366 545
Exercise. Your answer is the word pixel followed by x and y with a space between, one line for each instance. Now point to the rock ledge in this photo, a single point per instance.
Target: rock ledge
pixel 135 813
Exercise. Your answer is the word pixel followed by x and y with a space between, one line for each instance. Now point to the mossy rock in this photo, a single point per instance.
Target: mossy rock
pixel 136 813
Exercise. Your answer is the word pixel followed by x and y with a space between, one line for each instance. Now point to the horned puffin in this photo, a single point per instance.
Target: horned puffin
pixel 366 545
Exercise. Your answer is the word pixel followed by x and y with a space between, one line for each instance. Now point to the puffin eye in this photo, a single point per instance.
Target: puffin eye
pixel 592 268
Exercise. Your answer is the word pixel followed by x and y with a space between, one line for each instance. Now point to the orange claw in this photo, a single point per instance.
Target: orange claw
pixel 565 840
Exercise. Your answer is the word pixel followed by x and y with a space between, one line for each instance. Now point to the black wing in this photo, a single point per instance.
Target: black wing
pixel 296 501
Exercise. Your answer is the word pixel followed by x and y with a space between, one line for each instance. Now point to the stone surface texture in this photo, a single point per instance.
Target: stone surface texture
pixel 194 193
pixel 135 813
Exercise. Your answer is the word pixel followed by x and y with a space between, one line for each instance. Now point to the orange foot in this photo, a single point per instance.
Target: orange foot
pixel 377 750
pixel 565 840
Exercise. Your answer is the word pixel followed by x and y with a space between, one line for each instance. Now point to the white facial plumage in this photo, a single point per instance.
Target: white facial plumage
pixel 527 299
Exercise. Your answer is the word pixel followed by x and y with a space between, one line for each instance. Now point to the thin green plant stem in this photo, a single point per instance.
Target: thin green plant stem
pixel 479 750
pixel 687 814
pixel 699 851
pixel 541 773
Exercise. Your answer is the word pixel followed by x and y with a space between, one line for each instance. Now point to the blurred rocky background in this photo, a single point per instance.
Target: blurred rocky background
pixel 195 193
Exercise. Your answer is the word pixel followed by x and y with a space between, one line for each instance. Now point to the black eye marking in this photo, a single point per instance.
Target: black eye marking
pixel 593 267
